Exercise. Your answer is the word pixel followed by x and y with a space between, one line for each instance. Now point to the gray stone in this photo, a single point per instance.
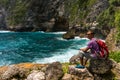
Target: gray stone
pixel 12 71
pixel 67 77
pixel 100 66
pixel 36 75
pixel 75 59
pixel 54 71
pixel 82 74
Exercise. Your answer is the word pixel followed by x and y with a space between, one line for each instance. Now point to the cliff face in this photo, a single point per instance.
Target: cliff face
pixel 33 15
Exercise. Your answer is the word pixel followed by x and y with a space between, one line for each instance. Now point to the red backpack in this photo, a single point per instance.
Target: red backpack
pixel 103 48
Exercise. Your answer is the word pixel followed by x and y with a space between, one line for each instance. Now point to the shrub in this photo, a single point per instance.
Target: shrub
pixel 115 56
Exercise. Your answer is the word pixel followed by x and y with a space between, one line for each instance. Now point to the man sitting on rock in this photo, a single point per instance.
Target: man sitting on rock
pixel 89 52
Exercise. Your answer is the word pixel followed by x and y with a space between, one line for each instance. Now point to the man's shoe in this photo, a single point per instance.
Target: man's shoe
pixel 79 66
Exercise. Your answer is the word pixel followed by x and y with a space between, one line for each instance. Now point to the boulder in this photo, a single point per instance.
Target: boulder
pixel 75 59
pixel 69 35
pixel 82 74
pixel 115 68
pixel 100 66
pixel 67 77
pixel 54 71
pixel 36 75
pixel 14 72
pixel 18 71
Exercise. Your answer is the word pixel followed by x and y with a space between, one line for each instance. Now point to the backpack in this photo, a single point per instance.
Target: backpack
pixel 103 48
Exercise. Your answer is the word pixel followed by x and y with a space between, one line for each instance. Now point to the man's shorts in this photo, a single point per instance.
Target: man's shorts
pixel 87 55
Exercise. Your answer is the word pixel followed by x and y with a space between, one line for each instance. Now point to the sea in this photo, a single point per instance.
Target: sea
pixel 37 47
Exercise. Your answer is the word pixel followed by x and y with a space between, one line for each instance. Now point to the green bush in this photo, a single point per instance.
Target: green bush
pixel 115 56
pixel 4 2
pixel 65 67
pixel 78 9
pixel 117 23
pixel 114 2
pixel 18 12
pixel 106 18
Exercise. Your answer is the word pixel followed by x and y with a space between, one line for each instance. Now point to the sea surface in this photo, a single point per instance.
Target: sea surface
pixel 37 47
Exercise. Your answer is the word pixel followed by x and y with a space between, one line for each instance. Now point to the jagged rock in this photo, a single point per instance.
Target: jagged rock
pixel 111 42
pixel 97 8
pixel 14 79
pixel 99 66
pixel 36 75
pixel 11 72
pixel 54 71
pixel 35 15
pixel 18 71
pixel 115 68
pixel 3 25
pixel 75 59
pixel 83 74
pixel 67 77
pixel 14 71
pixel 69 35
pixel 61 24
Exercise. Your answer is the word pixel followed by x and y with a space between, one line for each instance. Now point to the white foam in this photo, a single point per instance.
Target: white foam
pixel 4 31
pixel 59 32
pixel 5 63
pixel 55 32
pixel 41 31
pixel 60 38
pixel 60 57
pixel 0 53
pixel 77 37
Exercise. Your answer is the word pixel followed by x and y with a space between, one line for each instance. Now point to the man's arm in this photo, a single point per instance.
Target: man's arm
pixel 84 49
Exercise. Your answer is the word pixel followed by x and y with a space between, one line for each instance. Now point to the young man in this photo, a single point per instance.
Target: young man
pixel 91 49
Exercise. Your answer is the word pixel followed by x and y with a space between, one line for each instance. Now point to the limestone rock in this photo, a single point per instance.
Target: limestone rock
pixel 54 71
pixel 67 77
pixel 82 74
pixel 36 75
pixel 115 68
pixel 111 42
pixel 18 71
pixel 12 71
pixel 69 35
pixel 99 66
pixel 75 59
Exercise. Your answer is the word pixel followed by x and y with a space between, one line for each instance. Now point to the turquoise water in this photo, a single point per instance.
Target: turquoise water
pixel 37 47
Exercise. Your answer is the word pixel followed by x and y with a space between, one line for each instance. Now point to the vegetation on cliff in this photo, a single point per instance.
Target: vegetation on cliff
pixel 16 10
pixel 111 17
pixel 115 56
pixel 78 10
pixel 104 12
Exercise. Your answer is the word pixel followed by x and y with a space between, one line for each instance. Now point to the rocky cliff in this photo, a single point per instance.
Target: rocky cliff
pixel 34 15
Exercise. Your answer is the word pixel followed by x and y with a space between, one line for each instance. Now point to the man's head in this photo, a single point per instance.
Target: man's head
pixel 90 34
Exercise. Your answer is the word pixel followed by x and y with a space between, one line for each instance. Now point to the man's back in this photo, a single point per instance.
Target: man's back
pixel 93 46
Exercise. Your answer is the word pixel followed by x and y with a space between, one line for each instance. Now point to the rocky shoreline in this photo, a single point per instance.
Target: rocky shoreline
pixel 95 70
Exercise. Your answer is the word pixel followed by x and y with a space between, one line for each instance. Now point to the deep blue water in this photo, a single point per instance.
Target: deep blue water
pixel 37 47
